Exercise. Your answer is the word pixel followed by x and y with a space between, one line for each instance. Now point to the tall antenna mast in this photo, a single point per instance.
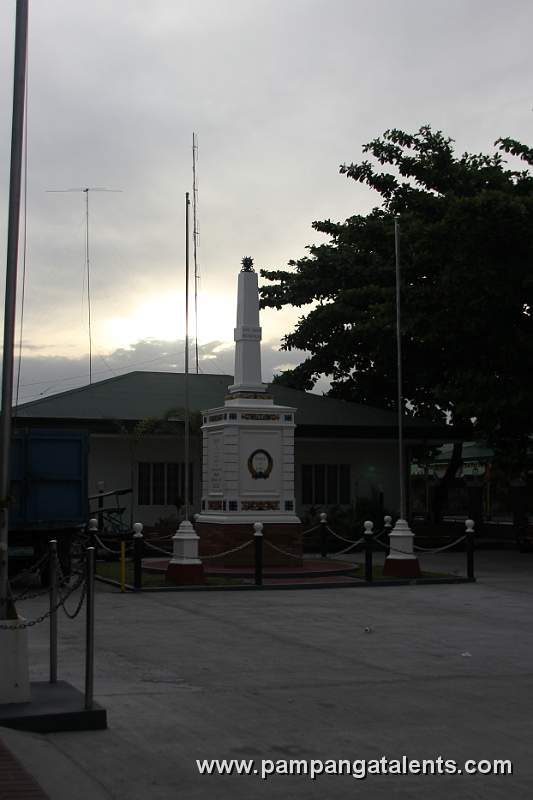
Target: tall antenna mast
pixel 195 234
pixel 86 191
pixel 187 410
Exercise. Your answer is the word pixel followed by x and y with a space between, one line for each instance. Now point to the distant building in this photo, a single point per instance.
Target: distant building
pixel 477 488
pixel 345 453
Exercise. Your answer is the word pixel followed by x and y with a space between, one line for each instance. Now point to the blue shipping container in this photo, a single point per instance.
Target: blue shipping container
pixel 49 480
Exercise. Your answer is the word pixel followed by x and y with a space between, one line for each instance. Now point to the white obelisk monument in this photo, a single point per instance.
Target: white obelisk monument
pixel 248 453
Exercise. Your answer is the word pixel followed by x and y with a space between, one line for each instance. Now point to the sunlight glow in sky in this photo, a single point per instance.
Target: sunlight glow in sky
pixel 279 94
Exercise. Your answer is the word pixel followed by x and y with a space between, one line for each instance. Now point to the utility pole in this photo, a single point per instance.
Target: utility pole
pixel 17 133
pixel 86 191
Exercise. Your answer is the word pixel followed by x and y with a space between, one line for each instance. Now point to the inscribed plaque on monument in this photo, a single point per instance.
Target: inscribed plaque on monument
pixel 215 465
pixel 261 467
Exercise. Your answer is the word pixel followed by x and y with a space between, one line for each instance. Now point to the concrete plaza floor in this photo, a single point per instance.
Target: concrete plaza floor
pixel 421 671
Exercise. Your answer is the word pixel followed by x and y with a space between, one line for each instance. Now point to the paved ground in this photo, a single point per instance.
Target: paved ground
pixel 442 670
pixel 15 782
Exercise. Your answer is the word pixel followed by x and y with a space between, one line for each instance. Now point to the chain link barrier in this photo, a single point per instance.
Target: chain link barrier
pixel 310 530
pixel 31 570
pixel 64 581
pixel 440 549
pixel 279 550
pixel 167 539
pixel 108 549
pixel 350 547
pixel 80 542
pixel 428 550
pixel 228 552
pixel 75 613
pixel 342 538
pixel 156 548
pixel 28 594
pixel 29 623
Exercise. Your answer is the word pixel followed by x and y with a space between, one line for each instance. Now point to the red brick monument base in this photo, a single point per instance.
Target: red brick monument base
pixel 216 537
pixel 185 574
pixel 401 568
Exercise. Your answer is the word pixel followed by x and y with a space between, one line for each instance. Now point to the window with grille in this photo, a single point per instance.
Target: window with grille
pixel 325 484
pixel 163 483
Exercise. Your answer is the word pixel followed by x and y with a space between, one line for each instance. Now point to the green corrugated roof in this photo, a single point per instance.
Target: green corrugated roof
pixel 472 451
pixel 138 395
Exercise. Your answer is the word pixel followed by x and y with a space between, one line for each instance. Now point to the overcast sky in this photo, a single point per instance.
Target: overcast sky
pixel 279 92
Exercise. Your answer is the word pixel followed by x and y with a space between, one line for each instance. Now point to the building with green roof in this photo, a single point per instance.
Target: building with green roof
pixel 343 451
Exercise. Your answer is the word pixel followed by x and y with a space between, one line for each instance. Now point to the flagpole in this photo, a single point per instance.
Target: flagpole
pixel 187 410
pixel 185 567
pixel 401 459
pixel 401 561
pixel 17 134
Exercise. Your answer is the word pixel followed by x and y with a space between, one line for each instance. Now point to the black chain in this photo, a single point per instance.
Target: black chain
pixel 17 598
pixel 75 613
pixel 30 623
pixel 28 571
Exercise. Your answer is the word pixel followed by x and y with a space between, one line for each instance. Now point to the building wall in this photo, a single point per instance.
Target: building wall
pixel 114 459
pixel 373 466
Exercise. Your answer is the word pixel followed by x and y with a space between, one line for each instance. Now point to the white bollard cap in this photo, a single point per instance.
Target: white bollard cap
pixel 368 526
pixel 323 517
pixel 93 524
pixel 138 529
pixel 388 521
pixel 469 525
pixel 258 528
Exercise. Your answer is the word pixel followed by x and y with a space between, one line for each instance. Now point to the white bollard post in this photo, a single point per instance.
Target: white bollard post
pixel 323 535
pixel 401 561
pixel 185 567
pixel 138 539
pixel 258 548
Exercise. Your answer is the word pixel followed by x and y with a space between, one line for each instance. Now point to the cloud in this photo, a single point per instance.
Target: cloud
pixel 44 375
pixel 280 93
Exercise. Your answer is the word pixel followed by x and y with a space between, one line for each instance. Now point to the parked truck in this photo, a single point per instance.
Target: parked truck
pixel 49 495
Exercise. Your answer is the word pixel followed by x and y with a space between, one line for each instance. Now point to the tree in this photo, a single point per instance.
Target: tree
pixel 467 266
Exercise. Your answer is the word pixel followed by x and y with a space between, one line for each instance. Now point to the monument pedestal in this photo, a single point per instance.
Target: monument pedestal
pixel 220 536
pixel 402 561
pixel 185 568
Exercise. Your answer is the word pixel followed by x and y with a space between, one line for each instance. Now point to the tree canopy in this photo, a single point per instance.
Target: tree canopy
pixel 466 292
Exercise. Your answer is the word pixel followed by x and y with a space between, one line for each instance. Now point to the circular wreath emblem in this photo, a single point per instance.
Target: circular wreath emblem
pixel 260 464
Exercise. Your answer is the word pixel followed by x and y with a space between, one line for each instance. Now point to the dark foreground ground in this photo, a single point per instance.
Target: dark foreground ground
pixel 420 671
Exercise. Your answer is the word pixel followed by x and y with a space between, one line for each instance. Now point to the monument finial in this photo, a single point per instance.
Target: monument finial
pixel 247 264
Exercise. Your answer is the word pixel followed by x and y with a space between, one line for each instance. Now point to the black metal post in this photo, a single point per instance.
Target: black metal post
pixel 323 535
pixel 258 545
pixel 138 547
pixel 92 530
pixel 368 534
pixel 89 630
pixel 470 549
pixel 100 507
pixel 387 525
pixel 17 128
pixel 53 593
